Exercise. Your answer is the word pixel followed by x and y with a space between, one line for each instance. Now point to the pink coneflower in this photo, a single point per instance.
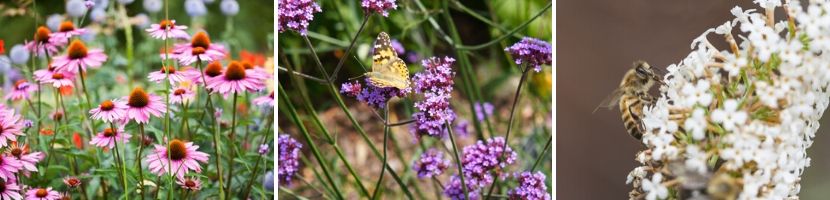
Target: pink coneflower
pixel 46 74
pixel 8 167
pixel 181 94
pixel 44 42
pixel 27 160
pixel 108 137
pixel 175 76
pixel 213 69
pixel 10 190
pixel 183 157
pixel 72 182
pixel 57 115
pixel 166 53
pixel 60 79
pixel 109 111
pixel 42 194
pixel 21 90
pixel 168 29
pixel 67 30
pixel 236 79
pixel 199 49
pixel 192 184
pixel 267 100
pixel 141 105
pixel 257 71
pixel 10 126
pixel 78 55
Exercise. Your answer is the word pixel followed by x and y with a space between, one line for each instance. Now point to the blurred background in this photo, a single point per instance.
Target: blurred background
pixel 411 24
pixel 597 42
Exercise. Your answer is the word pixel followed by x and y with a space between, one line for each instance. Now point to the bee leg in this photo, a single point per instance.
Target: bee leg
pixel 638 134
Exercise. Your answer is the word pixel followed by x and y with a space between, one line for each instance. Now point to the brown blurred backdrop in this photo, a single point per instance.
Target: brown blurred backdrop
pixel 597 40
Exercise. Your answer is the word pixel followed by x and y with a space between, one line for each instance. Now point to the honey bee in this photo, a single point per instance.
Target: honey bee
pixel 632 95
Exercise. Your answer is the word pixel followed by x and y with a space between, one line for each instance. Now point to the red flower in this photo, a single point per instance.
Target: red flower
pixel 2 47
pixel 254 58
pixel 78 140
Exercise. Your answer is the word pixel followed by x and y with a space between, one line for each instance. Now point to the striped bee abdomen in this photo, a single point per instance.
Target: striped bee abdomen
pixel 631 108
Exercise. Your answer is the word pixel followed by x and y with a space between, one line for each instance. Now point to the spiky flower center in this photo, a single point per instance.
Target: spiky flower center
pixel 72 182
pixel 197 50
pixel 107 105
pixel 41 193
pixel 108 132
pixel 200 40
pixel 2 186
pixel 66 26
pixel 17 152
pixel 247 65
pixel 42 34
pixel 138 98
pixel 57 76
pixel 190 183
pixel 77 50
pixel 178 151
pixel 213 69
pixel 164 24
pixel 168 70
pixel 18 83
pixel 179 92
pixel 235 72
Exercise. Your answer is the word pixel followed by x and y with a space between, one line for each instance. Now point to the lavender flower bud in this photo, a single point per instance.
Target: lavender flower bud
pixel 76 8
pixel 229 7
pixel 19 54
pixel 153 6
pixel 195 8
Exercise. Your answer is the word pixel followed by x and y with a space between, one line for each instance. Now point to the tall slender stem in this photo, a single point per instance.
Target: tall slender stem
pixel 209 108
pixel 88 105
pixel 265 140
pixel 54 133
pixel 138 161
pixel 383 167
pixel 541 155
pixel 348 50
pixel 457 160
pixel 510 122
pixel 231 137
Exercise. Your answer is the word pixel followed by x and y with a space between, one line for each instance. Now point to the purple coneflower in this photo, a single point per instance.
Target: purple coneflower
pixel 140 106
pixel 8 167
pixel 378 6
pixel 42 194
pixel 199 49
pixel 289 156
pixel 531 51
pixel 10 190
pixel 10 126
pixel 67 30
pixel 27 160
pixel 213 69
pixel 168 29
pixel 72 182
pixel 531 187
pixel 435 83
pixel 192 184
pixel 431 164
pixel 78 55
pixel 296 15
pixel 181 94
pixel 44 43
pixel 109 111
pixel 60 79
pixel 46 74
pixel 109 137
pixel 174 75
pixel 267 100
pixel 21 90
pixel 182 158
pixel 236 79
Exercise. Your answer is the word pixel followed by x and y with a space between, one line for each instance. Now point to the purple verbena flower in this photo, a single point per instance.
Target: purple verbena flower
pixel 378 6
pixel 351 89
pixel 296 14
pixel 398 47
pixel 263 149
pixel 371 94
pixel 462 128
pixel 481 158
pixel 483 109
pixel 531 187
pixel 435 83
pixel 431 164
pixel 289 158
pixel 531 51
pixel 455 192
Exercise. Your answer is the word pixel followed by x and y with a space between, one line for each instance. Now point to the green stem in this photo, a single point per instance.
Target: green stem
pixel 122 170
pixel 88 104
pixel 209 108
pixel 232 152
pixel 383 167
pixel 138 161
pixel 502 37
pixel 348 50
pixel 256 166
pixel 541 155
pixel 457 160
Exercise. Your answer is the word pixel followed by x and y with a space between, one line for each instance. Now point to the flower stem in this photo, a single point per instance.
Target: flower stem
pixel 232 151
pixel 457 160
pixel 541 155
pixel 510 122
pixel 88 105
pixel 138 160
pixel 209 108
pixel 265 140
pixel 348 50
pixel 54 134
pixel 383 167
pixel 123 169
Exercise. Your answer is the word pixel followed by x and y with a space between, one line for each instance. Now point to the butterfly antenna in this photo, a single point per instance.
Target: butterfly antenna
pixel 353 78
pixel 361 63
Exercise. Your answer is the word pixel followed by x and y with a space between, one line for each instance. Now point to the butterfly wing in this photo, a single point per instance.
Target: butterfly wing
pixel 387 69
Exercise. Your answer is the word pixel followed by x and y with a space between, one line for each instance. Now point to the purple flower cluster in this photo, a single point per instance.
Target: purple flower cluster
pixel 435 83
pixel 481 158
pixel 462 128
pixel 371 94
pixel 431 164
pixel 295 14
pixel 263 149
pixel 531 51
pixel 289 158
pixel 531 187
pixel 455 192
pixel 378 6
pixel 483 109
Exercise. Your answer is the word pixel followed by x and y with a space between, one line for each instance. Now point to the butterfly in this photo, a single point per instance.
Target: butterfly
pixel 388 70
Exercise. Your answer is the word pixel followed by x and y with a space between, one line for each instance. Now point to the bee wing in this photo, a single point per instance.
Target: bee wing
pixel 610 101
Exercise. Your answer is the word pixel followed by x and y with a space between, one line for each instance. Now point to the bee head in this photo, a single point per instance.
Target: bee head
pixel 645 72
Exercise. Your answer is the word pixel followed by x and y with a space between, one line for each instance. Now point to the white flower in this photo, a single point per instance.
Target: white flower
pixel 697 94
pixel 638 173
pixel 730 116
pixel 695 159
pixel 696 124
pixel 655 188
pixel 768 4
